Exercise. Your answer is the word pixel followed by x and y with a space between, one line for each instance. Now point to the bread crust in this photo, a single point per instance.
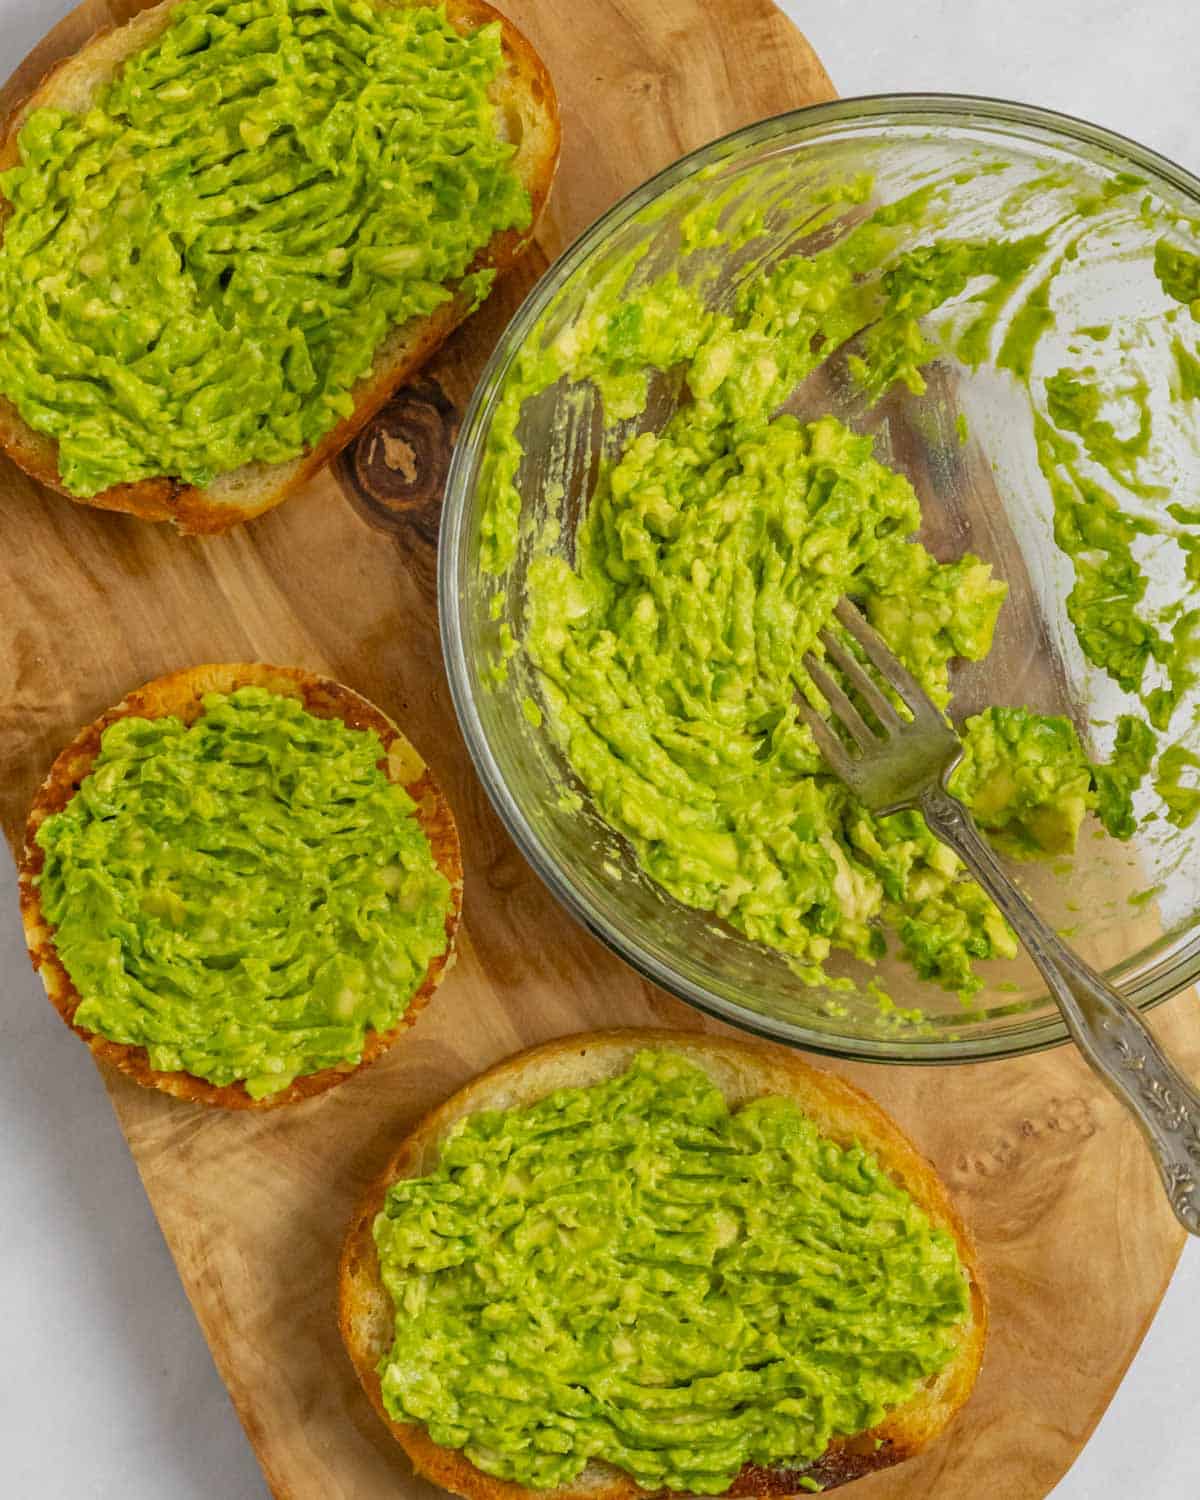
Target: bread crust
pixel 523 93
pixel 181 693
pixel 743 1070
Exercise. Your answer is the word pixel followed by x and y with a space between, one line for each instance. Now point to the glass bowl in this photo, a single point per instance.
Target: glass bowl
pixel 966 444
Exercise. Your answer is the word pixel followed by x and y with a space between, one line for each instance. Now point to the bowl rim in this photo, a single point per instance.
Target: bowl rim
pixel 1164 977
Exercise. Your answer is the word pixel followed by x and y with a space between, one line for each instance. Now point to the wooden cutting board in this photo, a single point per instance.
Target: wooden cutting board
pixel 1077 1242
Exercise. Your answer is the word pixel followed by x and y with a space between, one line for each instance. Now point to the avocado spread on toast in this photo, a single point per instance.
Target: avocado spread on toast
pixel 635 1273
pixel 245 896
pixel 196 270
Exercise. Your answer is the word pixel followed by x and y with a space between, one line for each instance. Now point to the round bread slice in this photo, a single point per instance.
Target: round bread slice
pixel 526 116
pixel 182 694
pixel 742 1071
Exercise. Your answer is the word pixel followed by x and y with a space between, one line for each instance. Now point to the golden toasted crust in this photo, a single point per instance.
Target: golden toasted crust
pixel 528 113
pixel 182 694
pixel 743 1071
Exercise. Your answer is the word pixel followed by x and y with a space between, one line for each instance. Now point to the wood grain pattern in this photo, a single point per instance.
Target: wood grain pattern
pixel 1076 1240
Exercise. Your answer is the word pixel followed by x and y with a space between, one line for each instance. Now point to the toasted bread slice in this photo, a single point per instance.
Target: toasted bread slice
pixel 742 1071
pixel 526 114
pixel 182 694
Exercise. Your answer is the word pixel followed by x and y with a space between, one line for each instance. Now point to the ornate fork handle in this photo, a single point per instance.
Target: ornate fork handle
pixel 1107 1029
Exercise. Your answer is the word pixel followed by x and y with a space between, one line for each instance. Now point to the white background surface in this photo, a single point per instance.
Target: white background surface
pixel 106 1386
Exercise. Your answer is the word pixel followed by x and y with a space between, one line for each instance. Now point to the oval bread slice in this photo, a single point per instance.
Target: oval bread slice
pixel 182 694
pixel 742 1071
pixel 526 115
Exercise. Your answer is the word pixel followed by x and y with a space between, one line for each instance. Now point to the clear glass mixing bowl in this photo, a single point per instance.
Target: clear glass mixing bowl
pixel 1133 908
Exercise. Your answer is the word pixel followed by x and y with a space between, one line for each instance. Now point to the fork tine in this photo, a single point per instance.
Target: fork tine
pixel 851 720
pixel 827 742
pixel 861 681
pixel 910 691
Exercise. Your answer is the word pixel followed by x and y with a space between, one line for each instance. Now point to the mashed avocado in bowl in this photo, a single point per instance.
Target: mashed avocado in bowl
pixel 249 893
pixel 930 354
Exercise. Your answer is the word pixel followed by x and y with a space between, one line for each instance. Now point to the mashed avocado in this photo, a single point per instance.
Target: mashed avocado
pixel 245 896
pixel 195 272
pixel 665 630
pixel 630 1272
pixel 670 654
pixel 1026 780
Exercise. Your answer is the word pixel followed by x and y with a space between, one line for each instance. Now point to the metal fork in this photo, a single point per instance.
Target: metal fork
pixel 905 764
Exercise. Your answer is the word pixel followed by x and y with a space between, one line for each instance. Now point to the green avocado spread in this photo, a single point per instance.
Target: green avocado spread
pixel 197 269
pixel 632 1272
pixel 705 566
pixel 245 896
pixel 665 628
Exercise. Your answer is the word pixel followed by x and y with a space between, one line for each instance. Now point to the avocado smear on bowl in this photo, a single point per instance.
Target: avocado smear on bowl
pixel 634 1273
pixel 195 271
pixel 245 896
pixel 661 627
